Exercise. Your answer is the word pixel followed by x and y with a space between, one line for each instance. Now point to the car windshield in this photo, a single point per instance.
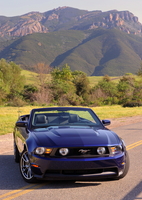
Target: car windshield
pixel 66 117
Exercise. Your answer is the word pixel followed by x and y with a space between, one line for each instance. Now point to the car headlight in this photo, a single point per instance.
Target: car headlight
pixel 101 150
pixel 43 150
pixel 115 149
pixel 123 145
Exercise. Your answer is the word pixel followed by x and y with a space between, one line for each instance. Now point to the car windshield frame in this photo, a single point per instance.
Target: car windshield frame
pixel 64 113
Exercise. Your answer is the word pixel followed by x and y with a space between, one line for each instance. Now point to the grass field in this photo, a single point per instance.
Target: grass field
pixel 31 78
pixel 9 115
pixel 95 79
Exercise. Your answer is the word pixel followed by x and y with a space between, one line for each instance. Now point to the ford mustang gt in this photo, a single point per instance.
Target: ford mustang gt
pixel 68 143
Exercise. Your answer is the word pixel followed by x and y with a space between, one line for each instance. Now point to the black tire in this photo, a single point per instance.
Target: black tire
pixel 126 167
pixel 16 153
pixel 25 168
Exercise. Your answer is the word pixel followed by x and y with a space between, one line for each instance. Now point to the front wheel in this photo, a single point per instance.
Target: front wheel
pixel 25 168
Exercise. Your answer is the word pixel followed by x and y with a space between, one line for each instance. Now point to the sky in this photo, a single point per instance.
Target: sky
pixel 11 8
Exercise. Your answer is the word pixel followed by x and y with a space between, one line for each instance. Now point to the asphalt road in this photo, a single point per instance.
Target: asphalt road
pixel 12 186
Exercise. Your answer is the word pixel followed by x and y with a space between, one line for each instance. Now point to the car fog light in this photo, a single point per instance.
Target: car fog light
pixel 120 173
pixel 63 151
pixel 101 150
pixel 40 150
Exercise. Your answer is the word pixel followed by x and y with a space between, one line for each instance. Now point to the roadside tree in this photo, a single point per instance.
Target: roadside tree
pixel 11 80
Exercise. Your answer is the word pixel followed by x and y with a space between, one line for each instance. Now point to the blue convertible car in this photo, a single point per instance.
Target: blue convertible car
pixel 68 143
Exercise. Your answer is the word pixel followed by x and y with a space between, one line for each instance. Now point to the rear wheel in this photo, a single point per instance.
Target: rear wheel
pixel 25 168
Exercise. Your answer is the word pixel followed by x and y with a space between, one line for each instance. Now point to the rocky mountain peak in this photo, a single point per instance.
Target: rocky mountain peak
pixel 66 18
pixel 123 20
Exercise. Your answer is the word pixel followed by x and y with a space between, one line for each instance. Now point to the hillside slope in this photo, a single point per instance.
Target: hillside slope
pixel 96 52
pixel 105 52
pixel 35 48
pixel 95 42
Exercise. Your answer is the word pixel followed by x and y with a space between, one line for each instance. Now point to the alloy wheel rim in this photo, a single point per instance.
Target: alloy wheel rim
pixel 25 166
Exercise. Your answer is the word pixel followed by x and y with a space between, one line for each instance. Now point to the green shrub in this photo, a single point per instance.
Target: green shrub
pixel 132 104
pixel 16 102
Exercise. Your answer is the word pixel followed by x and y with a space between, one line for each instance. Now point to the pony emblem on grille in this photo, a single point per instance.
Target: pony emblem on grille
pixel 84 151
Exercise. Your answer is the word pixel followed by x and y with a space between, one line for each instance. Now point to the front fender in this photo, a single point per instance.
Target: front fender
pixel 31 144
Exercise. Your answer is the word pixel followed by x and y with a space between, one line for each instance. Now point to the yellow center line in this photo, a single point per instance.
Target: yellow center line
pixel 23 191
pixel 18 190
pixel 131 146
pixel 29 188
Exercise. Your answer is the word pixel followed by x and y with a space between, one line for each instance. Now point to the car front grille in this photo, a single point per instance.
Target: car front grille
pixel 83 152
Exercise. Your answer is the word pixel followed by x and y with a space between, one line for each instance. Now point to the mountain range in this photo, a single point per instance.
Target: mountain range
pixel 95 42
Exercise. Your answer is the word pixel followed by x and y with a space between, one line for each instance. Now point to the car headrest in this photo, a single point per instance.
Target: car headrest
pixel 73 118
pixel 41 119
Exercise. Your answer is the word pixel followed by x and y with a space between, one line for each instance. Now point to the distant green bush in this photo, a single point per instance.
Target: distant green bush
pixel 66 87
pixel 11 81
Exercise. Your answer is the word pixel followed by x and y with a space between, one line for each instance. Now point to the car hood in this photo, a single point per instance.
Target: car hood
pixel 75 136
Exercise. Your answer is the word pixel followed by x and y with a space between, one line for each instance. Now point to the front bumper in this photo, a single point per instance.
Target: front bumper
pixel 77 169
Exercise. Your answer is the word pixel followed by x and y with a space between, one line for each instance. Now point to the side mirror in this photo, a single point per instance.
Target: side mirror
pixel 106 122
pixel 21 124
